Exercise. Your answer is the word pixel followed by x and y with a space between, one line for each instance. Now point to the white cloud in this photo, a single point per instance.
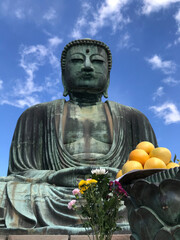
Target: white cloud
pixel 39 12
pixel 177 18
pixel 55 41
pixel 109 13
pixel 19 13
pixel 27 101
pixel 16 9
pixel 27 92
pixel 81 21
pixel 57 96
pixel 150 6
pixel 32 58
pixel 159 92
pixel 50 14
pixel 1 84
pixel 177 41
pixel 169 45
pixel 168 111
pixel 125 41
pixel 51 83
pixel 77 31
pixel 54 61
pixel 171 81
pixel 166 67
pixel 93 18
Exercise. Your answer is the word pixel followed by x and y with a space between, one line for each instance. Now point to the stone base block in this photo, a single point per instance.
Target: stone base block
pixel 3 237
pixel 38 237
pixel 58 237
pixel 115 237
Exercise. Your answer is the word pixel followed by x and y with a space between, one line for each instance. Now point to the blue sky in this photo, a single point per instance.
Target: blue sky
pixel 144 38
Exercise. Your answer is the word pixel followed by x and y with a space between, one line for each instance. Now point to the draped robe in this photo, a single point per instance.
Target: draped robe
pixel 37 151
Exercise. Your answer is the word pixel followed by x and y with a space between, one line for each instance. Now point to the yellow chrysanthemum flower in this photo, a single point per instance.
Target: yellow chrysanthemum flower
pixel 83 189
pixel 91 181
pixel 84 185
pixel 81 183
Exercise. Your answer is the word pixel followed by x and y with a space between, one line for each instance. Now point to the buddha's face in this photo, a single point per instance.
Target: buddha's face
pixel 86 69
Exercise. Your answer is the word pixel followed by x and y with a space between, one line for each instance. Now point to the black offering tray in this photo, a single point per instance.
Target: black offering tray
pixel 134 175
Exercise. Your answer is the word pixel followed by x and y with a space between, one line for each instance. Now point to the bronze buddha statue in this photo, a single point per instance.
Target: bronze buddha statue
pixel 55 144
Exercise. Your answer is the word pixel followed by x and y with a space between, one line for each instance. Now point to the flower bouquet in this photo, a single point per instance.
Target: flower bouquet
pixel 97 202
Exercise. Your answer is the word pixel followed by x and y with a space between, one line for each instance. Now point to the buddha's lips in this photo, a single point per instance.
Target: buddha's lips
pixel 87 76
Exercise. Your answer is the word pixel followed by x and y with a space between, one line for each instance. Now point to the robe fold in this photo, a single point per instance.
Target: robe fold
pixel 37 151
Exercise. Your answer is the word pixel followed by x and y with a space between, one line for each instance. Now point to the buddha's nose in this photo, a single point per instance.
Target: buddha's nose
pixel 88 65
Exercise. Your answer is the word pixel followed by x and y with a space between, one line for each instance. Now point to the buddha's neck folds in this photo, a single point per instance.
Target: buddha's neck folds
pixel 85 99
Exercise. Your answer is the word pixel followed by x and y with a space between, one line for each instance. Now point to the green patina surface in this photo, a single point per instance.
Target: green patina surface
pixel 56 144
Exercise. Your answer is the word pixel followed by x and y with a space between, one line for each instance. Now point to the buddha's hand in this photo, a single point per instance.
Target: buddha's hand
pixel 69 177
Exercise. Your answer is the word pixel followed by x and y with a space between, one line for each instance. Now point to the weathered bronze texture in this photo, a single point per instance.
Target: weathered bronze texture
pixel 56 144
pixel 154 206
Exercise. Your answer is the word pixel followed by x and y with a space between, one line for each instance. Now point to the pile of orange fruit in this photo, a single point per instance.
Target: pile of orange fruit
pixel 146 156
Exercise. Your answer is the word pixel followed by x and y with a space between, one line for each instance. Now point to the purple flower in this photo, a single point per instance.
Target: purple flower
pixel 71 204
pixel 117 188
pixel 121 190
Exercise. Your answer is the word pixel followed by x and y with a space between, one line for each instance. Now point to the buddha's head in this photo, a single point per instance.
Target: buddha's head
pixel 86 66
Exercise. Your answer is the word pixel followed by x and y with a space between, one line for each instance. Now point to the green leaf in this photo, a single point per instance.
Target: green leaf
pixel 100 210
pixel 175 157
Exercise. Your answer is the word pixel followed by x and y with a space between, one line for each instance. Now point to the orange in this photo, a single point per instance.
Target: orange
pixel 163 153
pixel 119 174
pixel 172 165
pixel 146 146
pixel 139 155
pixel 154 163
pixel 131 165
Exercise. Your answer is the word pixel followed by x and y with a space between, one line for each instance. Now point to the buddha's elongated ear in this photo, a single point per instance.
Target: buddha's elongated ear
pixel 105 93
pixel 65 93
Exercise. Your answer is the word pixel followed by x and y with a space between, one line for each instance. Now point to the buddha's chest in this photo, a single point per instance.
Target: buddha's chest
pixel 87 129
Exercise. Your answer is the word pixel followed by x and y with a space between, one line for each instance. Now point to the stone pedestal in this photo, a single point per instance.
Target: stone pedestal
pixel 58 237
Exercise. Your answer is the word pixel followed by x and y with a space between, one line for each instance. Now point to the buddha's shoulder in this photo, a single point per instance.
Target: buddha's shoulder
pixel 126 110
pixel 41 108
